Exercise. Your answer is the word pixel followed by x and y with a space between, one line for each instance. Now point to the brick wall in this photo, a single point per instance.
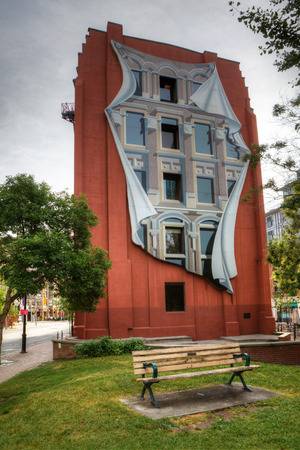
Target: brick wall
pixel 274 352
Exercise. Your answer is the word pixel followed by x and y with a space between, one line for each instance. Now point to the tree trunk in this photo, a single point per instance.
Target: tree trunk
pixel 9 299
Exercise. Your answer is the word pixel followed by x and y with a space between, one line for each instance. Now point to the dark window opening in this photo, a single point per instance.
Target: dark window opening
pixel 230 186
pixel 174 296
pixel 172 186
pixel 135 128
pixel 138 78
pixel 203 138
pixel 141 174
pixel 168 89
pixel 205 190
pixel 247 315
pixel 206 268
pixel 169 133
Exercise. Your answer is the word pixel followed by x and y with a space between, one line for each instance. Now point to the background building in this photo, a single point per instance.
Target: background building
pixel 159 155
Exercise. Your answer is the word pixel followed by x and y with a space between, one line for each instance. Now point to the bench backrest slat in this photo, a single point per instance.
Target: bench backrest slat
pixel 181 358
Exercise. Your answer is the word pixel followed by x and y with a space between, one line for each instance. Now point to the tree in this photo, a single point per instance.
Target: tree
pixel 279 25
pixel 45 238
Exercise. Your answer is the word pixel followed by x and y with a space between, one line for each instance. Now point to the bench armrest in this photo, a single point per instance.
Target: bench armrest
pixel 245 356
pixel 154 368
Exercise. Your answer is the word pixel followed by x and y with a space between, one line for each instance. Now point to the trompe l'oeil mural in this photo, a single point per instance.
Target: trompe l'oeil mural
pixel 182 153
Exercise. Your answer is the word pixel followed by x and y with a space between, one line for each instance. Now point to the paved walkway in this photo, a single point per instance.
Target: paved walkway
pixel 20 362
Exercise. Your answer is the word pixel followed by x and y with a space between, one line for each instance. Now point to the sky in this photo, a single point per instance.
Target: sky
pixel 39 45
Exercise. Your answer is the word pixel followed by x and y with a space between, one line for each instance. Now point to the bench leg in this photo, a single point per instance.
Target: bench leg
pixel 147 386
pixel 238 374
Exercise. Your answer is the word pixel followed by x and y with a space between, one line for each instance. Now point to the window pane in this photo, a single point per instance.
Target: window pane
pixel 168 89
pixel 169 132
pixel 207 238
pixel 138 78
pixel 174 241
pixel 202 138
pixel 206 268
pixel 135 128
pixel 230 186
pixel 205 187
pixel 231 149
pixel 141 174
pixel 195 86
pixel 142 233
pixel 174 296
pixel 172 186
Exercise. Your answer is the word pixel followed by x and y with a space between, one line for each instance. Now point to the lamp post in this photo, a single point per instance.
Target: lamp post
pixel 23 349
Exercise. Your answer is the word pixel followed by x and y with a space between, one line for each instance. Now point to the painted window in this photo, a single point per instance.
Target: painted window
pixel 168 89
pixel 174 296
pixel 205 190
pixel 231 149
pixel 135 128
pixel 203 138
pixel 174 244
pixel 174 240
pixel 141 174
pixel 172 186
pixel 142 233
pixel 208 230
pixel 138 78
pixel 230 186
pixel 195 86
pixel 169 133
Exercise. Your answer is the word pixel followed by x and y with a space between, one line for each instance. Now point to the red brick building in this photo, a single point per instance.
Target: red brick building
pixel 159 156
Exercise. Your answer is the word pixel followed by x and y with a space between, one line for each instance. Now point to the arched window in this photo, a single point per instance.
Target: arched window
pixel 174 241
pixel 207 230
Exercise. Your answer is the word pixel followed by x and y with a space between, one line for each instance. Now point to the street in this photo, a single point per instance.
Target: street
pixel 37 333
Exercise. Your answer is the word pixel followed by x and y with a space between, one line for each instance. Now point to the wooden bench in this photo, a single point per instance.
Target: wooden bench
pixel 149 364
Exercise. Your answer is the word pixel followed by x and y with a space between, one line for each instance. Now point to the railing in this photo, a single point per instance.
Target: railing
pixel 68 112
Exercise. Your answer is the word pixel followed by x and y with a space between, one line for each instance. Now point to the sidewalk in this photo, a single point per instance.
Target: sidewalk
pixel 36 355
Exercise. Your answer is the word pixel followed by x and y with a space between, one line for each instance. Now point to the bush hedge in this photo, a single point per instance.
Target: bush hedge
pixel 107 346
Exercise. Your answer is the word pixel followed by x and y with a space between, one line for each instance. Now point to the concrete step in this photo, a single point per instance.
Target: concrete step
pixel 251 338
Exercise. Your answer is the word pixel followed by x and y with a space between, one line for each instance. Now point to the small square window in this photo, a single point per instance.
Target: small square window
pixel 138 78
pixel 203 138
pixel 168 89
pixel 172 186
pixel 247 315
pixel 205 189
pixel 174 296
pixel 135 128
pixel 169 133
pixel 230 186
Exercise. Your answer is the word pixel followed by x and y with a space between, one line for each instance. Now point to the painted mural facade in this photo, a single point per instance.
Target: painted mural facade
pixel 160 154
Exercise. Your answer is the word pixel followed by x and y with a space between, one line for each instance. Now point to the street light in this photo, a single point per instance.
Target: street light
pixel 23 348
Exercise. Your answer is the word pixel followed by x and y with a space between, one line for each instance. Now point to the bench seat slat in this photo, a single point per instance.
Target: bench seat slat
pixel 215 360
pixel 171 367
pixel 189 348
pixel 200 373
pixel 185 353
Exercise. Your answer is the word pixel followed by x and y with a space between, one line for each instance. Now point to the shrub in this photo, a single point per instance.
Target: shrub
pixel 108 346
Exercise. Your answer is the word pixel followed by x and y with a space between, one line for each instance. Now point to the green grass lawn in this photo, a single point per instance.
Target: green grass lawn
pixel 75 405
